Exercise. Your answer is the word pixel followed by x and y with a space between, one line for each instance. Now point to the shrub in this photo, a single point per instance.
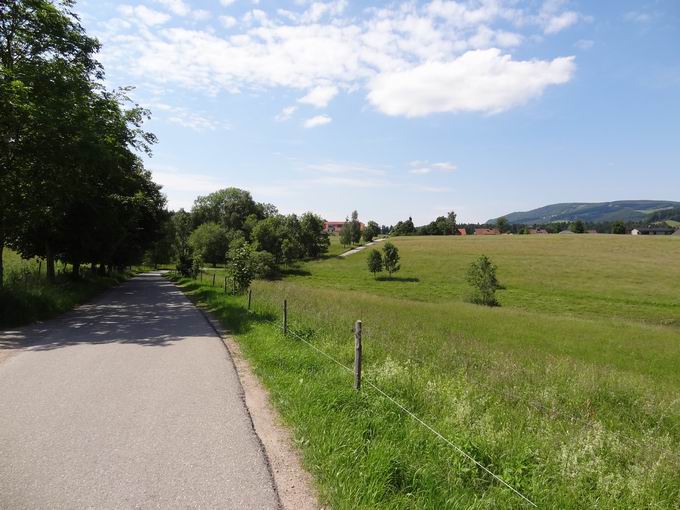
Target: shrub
pixel 391 258
pixel 482 277
pixel 264 265
pixel 375 262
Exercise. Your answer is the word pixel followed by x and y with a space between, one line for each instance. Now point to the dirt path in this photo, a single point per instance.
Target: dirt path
pixel 129 402
pixel 360 248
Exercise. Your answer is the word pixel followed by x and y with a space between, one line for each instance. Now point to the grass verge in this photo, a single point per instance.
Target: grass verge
pixel 566 431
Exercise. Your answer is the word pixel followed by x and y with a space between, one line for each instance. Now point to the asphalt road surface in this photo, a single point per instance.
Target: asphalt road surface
pixel 128 402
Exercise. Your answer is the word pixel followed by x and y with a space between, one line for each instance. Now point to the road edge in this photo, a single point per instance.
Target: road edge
pixel 292 483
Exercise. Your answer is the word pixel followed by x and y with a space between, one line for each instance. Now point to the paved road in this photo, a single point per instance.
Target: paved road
pixel 129 402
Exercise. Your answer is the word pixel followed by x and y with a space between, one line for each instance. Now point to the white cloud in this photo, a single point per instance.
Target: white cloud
pixel 318 49
pixel 319 120
pixel 186 118
pixel 424 167
pixel 226 3
pixel 320 96
pixel 227 21
pixel 178 7
pixel 639 17
pixel 144 14
pixel 433 189
pixel 286 113
pixel 480 80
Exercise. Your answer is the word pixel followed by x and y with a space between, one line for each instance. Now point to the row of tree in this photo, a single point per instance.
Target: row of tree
pixel 72 184
pixel 229 227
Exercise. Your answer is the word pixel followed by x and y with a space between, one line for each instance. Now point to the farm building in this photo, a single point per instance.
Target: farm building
pixel 487 232
pixel 538 231
pixel 677 232
pixel 653 231
pixel 335 226
pixel 462 231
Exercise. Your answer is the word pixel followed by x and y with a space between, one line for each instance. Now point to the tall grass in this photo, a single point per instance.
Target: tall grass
pixel 573 412
pixel 26 295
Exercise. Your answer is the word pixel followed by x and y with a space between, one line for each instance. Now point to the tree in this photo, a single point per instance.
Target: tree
pixel 355 228
pixel 391 258
pixel 346 234
pixel 481 276
pixel 241 265
pixel 451 220
pixel 181 223
pixel 230 207
pixel 502 224
pixel 618 227
pixel 375 262
pixel 313 238
pixel 578 227
pixel 371 231
pixel 209 241
pixel 404 228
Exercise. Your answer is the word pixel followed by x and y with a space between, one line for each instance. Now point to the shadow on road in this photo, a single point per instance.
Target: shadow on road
pixel 147 310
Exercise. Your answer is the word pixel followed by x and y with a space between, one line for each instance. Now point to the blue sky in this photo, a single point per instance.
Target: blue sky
pixel 401 109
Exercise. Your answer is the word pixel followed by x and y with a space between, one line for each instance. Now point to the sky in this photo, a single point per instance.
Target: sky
pixel 401 109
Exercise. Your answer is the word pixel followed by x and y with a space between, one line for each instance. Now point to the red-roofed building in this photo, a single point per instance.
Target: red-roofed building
pixel 335 226
pixel 462 231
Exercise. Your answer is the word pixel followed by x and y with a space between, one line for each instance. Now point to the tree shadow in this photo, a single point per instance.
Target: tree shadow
pixel 397 279
pixel 147 310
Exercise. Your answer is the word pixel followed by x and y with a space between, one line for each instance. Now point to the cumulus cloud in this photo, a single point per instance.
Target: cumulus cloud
pixel 443 56
pixel 144 14
pixel 319 120
pixel 320 96
pixel 481 80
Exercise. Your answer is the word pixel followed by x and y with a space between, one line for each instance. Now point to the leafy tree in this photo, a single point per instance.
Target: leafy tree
pixel 241 265
pixel 578 227
pixel 268 235
pixel 618 227
pixel 181 223
pixel 313 239
pixel 503 224
pixel 355 228
pixel 451 220
pixel 346 234
pixel 264 265
pixel 404 228
pixel 375 262
pixel 481 276
pixel 371 231
pixel 209 241
pixel 391 258
pixel 230 207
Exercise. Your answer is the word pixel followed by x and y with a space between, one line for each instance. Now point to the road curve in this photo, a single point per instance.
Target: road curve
pixel 128 402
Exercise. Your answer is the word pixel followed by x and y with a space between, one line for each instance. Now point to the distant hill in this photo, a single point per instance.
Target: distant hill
pixel 625 210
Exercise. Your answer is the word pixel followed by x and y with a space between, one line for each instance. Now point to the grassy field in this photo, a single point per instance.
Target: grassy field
pixel 27 297
pixel 569 390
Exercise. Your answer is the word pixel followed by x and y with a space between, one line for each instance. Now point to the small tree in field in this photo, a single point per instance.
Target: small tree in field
pixel 346 234
pixel 391 258
pixel 241 266
pixel 375 262
pixel 482 277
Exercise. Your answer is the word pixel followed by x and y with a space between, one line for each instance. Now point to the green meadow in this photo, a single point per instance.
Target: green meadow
pixel 569 391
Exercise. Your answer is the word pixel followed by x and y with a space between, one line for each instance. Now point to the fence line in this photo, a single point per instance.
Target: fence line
pixel 408 412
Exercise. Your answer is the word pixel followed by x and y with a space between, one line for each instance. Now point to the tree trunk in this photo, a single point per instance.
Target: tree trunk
pixel 2 266
pixel 76 269
pixel 49 262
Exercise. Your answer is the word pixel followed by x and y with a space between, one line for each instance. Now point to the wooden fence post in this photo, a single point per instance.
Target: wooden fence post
pixel 285 316
pixel 250 297
pixel 225 284
pixel 357 355
pixel 214 275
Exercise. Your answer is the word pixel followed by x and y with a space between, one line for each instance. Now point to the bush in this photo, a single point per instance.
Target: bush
pixel 264 265
pixel 375 262
pixel 391 258
pixel 482 277
pixel 184 265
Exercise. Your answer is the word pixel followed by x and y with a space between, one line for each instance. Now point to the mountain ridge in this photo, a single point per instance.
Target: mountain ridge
pixel 594 212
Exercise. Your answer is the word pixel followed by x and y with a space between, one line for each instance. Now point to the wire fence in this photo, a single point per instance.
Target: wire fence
pixel 286 328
